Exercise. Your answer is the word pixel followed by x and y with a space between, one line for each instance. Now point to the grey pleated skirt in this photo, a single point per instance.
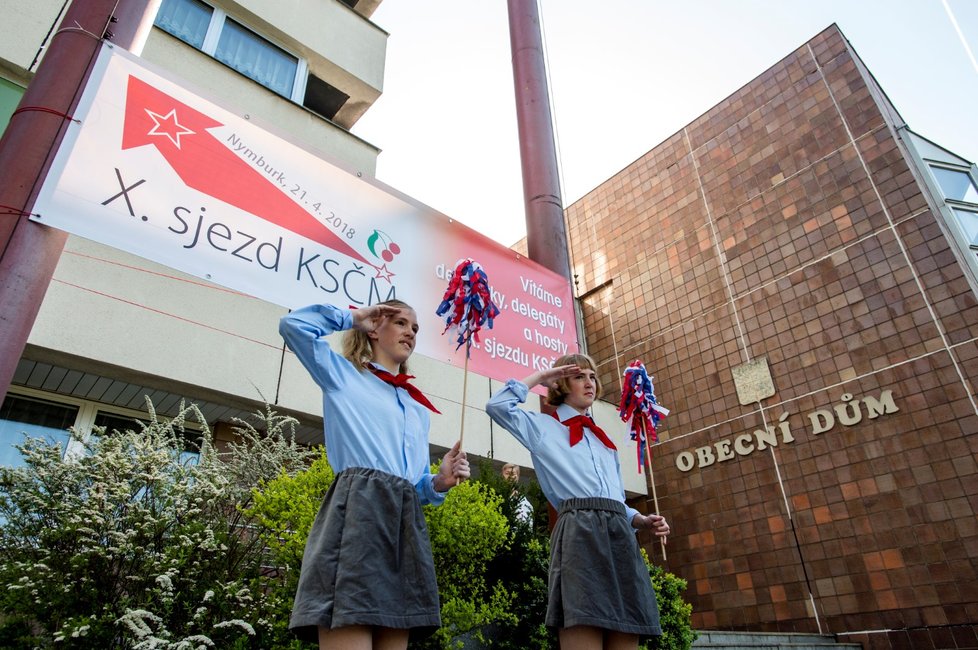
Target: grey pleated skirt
pixel 597 576
pixel 367 560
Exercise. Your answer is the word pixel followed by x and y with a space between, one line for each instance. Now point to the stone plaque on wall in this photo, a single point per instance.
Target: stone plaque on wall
pixel 753 381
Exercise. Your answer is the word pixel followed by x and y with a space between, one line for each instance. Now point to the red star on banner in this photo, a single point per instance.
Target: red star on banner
pixel 384 273
pixel 168 126
pixel 208 166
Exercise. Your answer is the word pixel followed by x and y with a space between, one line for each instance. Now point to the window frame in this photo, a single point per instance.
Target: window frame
pixel 213 36
pixel 973 209
pixel 70 448
pixel 970 171
pixel 87 412
pixel 956 204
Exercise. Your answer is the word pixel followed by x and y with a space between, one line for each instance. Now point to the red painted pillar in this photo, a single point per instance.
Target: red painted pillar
pixel 546 232
pixel 29 251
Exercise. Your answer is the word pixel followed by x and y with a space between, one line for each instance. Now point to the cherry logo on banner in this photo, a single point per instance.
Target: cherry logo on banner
pixel 381 245
pixel 180 134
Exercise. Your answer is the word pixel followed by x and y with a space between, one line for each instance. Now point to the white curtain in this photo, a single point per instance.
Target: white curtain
pixel 185 19
pixel 255 57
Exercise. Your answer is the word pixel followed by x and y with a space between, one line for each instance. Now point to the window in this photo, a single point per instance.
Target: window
pixel 956 184
pixel 30 414
pixel 211 31
pixel 960 191
pixel 188 20
pixel 22 417
pixel 254 57
pixel 113 422
pixel 968 222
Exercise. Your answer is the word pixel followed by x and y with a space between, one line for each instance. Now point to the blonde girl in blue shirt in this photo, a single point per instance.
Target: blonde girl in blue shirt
pixel 599 593
pixel 367 578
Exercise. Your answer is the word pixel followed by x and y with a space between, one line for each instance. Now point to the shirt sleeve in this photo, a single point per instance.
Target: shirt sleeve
pixel 427 493
pixel 503 408
pixel 303 331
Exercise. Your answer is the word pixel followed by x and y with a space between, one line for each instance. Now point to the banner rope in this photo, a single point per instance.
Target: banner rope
pixel 45 109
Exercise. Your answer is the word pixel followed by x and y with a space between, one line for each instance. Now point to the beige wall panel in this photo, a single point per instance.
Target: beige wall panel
pixel 437 378
pixel 445 428
pixel 507 449
pixel 110 306
pixel 25 26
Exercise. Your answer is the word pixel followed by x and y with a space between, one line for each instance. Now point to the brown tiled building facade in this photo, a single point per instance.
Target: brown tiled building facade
pixel 788 274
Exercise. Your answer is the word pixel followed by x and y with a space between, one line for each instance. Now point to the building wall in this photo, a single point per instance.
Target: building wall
pixel 127 320
pixel 338 43
pixel 786 232
pixel 25 29
pixel 10 94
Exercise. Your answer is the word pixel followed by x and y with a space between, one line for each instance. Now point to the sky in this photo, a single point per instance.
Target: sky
pixel 624 76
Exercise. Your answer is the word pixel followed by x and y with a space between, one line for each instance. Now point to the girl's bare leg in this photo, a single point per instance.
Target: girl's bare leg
pixel 363 637
pixel 620 641
pixel 354 637
pixel 580 637
pixel 387 638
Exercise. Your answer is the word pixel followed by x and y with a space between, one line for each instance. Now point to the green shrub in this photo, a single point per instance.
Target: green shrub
pixel 128 546
pixel 467 531
pixel 674 612
pixel 521 565
pixel 285 508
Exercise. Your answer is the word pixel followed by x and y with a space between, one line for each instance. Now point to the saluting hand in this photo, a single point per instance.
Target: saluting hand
pixel 548 376
pixel 368 319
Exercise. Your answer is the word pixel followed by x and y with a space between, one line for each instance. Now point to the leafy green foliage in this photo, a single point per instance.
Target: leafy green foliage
pixel 128 546
pixel 522 564
pixel 285 508
pixel 674 612
pixel 466 532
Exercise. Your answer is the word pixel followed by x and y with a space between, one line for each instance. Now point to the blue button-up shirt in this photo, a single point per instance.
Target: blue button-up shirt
pixel 367 422
pixel 588 469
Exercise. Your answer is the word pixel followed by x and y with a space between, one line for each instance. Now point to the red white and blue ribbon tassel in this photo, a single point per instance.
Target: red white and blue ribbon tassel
pixel 467 304
pixel 640 409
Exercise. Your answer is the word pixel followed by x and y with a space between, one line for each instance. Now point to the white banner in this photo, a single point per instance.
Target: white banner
pixel 160 172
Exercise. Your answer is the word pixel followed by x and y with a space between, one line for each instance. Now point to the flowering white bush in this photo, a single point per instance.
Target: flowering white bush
pixel 130 547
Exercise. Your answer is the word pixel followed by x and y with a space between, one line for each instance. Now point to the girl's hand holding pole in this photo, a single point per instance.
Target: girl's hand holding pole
pixel 454 468
pixel 656 523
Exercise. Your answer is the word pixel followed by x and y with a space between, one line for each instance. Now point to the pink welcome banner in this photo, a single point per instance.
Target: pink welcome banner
pixel 160 172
